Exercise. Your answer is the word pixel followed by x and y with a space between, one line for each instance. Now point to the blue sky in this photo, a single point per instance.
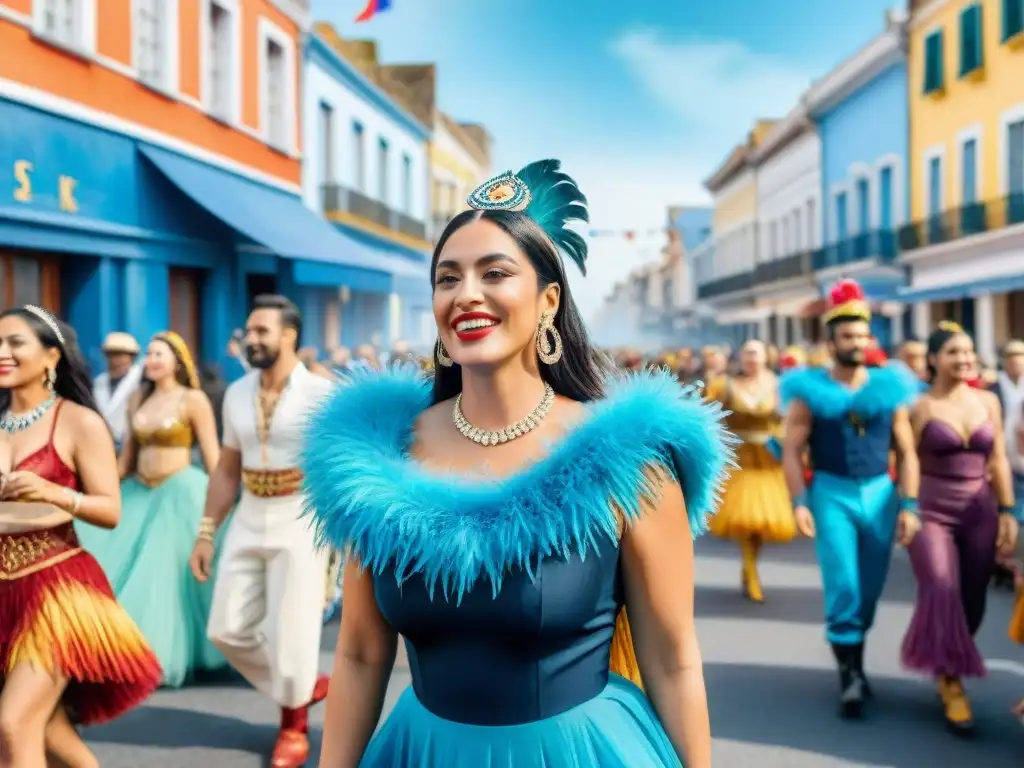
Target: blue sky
pixel 640 100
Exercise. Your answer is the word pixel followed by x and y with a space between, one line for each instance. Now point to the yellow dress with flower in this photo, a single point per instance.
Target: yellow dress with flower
pixel 755 507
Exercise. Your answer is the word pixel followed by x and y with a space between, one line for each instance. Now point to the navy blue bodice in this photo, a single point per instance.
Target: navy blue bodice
pixel 538 648
pixel 838 447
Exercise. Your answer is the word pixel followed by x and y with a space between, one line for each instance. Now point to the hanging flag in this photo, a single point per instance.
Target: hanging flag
pixel 373 7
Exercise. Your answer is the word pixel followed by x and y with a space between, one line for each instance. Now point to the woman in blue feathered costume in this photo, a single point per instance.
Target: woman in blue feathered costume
pixel 502 518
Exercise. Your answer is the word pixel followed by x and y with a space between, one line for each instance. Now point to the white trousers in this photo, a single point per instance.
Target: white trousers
pixel 268 599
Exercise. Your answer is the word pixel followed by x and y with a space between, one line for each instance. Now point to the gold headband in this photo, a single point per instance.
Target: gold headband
pixel 47 318
pixel 181 350
pixel 950 327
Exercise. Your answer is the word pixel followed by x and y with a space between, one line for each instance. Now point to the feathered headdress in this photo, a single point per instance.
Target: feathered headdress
pixel 846 301
pixel 545 194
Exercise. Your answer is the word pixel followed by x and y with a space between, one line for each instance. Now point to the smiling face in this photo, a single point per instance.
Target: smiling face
pixel 23 359
pixel 956 359
pixel 160 361
pixel 486 300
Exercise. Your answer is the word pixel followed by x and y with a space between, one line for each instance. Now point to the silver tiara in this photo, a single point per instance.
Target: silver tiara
pixel 47 318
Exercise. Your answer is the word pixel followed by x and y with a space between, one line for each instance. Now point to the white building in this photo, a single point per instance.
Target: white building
pixel 788 206
pixel 366 169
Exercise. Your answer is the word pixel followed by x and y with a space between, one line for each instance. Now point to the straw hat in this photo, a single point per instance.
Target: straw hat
pixel 120 343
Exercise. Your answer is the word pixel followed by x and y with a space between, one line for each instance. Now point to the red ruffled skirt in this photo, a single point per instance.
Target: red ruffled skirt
pixel 58 613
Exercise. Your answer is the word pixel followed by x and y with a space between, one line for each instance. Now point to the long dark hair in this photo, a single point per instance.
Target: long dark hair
pixel 936 341
pixel 580 373
pixel 74 380
pixel 147 386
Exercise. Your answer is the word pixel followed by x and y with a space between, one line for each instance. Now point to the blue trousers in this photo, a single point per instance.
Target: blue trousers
pixel 855 522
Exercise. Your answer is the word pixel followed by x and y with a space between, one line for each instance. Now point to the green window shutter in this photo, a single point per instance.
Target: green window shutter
pixel 1013 18
pixel 933 63
pixel 971 46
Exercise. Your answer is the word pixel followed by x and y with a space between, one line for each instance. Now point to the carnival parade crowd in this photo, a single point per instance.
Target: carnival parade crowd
pixel 153 530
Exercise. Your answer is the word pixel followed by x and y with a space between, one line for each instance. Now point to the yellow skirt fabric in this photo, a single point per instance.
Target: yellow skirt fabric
pixel 1017 620
pixel 756 501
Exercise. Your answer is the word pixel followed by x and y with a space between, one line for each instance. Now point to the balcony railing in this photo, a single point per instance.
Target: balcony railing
pixel 786 268
pixel 732 283
pixel 965 221
pixel 336 198
pixel 880 244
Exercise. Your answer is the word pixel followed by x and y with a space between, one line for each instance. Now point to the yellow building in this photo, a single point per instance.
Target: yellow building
pixel 966 245
pixel 734 188
pixel 460 160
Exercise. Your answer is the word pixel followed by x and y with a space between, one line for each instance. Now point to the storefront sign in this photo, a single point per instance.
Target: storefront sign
pixel 24 191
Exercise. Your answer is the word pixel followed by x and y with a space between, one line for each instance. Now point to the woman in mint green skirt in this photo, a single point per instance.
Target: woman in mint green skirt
pixel 162 495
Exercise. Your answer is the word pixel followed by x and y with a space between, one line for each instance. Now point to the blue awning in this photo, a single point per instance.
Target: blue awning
pixel 281 223
pixel 962 290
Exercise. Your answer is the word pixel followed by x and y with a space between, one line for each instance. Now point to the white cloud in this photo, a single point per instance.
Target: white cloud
pixel 717 88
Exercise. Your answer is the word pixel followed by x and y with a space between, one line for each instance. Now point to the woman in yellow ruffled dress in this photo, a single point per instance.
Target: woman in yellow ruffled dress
pixel 755 507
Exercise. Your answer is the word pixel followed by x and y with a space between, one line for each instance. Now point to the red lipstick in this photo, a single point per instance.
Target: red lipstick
pixel 474 334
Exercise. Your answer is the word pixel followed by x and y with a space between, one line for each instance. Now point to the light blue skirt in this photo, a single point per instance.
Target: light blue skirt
pixel 146 559
pixel 614 729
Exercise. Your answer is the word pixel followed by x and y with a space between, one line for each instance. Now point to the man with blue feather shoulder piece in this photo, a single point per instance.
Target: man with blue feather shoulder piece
pixel 847 419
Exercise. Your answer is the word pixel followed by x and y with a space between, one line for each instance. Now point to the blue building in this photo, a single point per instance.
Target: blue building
pixel 862 116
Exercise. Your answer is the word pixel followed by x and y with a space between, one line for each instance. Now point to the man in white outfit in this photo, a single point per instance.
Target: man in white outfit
pixel 114 388
pixel 269 590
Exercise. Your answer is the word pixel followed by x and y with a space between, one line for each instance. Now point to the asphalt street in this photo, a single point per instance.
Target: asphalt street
pixel 770 679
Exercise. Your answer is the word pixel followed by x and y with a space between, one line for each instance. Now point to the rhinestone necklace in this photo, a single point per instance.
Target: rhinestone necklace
pixel 496 436
pixel 12 423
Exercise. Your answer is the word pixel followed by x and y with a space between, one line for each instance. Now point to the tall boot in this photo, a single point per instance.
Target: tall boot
pixel 751 578
pixel 851 684
pixel 858 665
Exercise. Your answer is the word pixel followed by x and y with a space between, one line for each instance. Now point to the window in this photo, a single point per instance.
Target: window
pixel 326 144
pixel 275 92
pixel 863 206
pixel 1015 157
pixel 64 21
pixel 885 199
pixel 407 184
pixel 153 42
pixel 1013 18
pixel 934 76
pixel 969 172
pixel 358 158
pixel 935 186
pixel 841 220
pixel 811 225
pixel 773 235
pixel 220 62
pixel 382 171
pixel 972 55
pixel 27 280
pixel 798 234
pixel 785 237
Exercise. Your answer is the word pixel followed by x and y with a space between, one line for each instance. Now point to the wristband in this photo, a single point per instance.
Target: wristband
pixel 1008 509
pixel 908 504
pixel 801 499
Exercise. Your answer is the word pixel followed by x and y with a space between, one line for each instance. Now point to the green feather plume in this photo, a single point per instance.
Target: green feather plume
pixel 555 200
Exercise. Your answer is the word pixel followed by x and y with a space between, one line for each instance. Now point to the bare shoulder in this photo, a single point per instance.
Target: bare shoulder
pixel 81 419
pixel 433 419
pixel 990 400
pixel 921 407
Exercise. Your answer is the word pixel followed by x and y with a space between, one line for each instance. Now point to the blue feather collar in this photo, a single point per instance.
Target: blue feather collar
pixel 365 492
pixel 886 390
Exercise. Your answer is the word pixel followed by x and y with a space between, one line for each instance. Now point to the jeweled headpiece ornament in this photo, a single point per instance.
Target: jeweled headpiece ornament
pixel 846 301
pixel 545 194
pixel 47 318
pixel 950 327
pixel 182 351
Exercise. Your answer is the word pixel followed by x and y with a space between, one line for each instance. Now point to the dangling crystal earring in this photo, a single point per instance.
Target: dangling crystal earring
pixel 442 354
pixel 50 380
pixel 549 340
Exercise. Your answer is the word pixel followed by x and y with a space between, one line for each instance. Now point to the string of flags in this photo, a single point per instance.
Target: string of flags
pixel 631 234
pixel 373 7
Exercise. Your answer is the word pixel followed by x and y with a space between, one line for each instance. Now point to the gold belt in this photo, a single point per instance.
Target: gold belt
pixel 269 483
pixel 22 554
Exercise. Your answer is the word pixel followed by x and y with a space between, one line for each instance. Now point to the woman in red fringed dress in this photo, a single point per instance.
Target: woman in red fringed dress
pixel 69 654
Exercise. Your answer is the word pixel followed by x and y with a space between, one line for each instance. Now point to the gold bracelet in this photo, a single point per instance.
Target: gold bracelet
pixel 207 529
pixel 76 504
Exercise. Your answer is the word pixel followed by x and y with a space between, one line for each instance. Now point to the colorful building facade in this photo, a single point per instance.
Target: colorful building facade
pixel 460 160
pixel 861 112
pixel 367 171
pixel 152 153
pixel 965 245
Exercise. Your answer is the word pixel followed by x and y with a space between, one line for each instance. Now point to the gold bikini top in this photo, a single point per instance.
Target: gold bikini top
pixel 744 413
pixel 173 433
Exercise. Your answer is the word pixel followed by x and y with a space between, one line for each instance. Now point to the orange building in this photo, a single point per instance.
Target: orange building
pixel 150 163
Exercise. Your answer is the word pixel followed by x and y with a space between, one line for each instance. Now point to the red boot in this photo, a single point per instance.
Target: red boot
pixel 292 747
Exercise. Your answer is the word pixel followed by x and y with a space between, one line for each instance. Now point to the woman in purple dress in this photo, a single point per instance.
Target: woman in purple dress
pixel 966 506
